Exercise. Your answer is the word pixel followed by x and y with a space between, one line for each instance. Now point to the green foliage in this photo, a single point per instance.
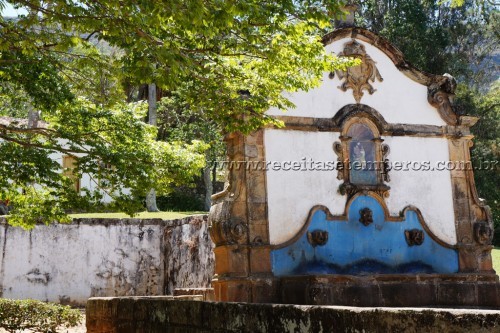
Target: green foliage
pixel 439 36
pixel 225 64
pixel 495 254
pixel 179 122
pixel 36 316
pixel 182 198
pixel 112 145
pixel 211 50
pixel 486 151
pixel 166 215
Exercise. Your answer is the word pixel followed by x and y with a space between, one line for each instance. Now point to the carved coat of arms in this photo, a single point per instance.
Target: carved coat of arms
pixel 358 78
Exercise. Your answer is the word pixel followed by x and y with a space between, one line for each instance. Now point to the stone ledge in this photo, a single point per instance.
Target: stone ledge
pixel 105 221
pixel 420 290
pixel 207 294
pixel 167 314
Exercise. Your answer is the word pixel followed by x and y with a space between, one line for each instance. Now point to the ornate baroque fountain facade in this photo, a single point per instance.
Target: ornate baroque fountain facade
pixel 366 197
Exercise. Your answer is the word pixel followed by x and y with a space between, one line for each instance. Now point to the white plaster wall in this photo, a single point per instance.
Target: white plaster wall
pixel 292 194
pixel 398 98
pixel 69 263
pixel 430 191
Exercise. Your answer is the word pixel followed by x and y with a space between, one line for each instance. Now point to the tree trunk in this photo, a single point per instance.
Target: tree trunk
pixel 152 104
pixel 33 118
pixel 207 179
pixel 151 201
pixel 151 196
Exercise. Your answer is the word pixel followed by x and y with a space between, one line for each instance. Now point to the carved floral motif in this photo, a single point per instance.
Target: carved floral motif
pixel 358 78
pixel 337 148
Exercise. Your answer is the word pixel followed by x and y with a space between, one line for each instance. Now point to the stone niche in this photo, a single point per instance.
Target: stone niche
pixel 366 197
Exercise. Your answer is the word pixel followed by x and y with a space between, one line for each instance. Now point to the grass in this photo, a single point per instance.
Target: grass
pixel 142 215
pixel 495 253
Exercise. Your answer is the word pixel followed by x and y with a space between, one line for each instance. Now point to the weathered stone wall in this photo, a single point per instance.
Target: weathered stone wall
pixel 188 255
pixel 175 316
pixel 68 263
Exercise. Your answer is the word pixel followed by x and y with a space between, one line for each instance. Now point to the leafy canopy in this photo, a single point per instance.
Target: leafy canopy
pixel 228 60
pixel 486 150
pixel 214 50
pixel 439 36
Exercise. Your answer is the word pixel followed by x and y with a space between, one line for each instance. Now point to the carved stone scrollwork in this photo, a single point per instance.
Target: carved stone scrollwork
pixel 349 189
pixel 223 228
pixel 385 162
pixel 414 237
pixel 337 148
pixel 317 237
pixel 366 216
pixel 440 95
pixel 358 78
pixel 483 233
pixel 383 192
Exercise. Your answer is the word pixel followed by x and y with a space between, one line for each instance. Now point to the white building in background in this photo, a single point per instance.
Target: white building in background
pixel 67 162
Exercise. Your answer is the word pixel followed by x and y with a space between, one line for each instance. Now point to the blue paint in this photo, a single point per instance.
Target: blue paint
pixel 355 249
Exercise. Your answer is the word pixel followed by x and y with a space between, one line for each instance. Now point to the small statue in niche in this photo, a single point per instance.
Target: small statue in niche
pixel 366 216
pixel 414 237
pixel 483 233
pixel 362 155
pixel 359 156
pixel 317 237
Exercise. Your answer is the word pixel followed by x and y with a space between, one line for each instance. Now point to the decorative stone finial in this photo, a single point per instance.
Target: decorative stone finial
pixel 347 20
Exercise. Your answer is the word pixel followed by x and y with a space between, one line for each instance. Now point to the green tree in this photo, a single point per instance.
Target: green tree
pixel 214 49
pixel 178 122
pixel 486 150
pixel 53 60
pixel 112 145
pixel 439 37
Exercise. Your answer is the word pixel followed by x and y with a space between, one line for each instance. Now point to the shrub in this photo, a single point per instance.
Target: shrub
pixel 36 316
pixel 182 199
pixel 496 237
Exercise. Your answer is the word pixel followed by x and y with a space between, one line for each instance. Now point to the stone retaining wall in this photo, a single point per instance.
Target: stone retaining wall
pixel 68 263
pixel 169 315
